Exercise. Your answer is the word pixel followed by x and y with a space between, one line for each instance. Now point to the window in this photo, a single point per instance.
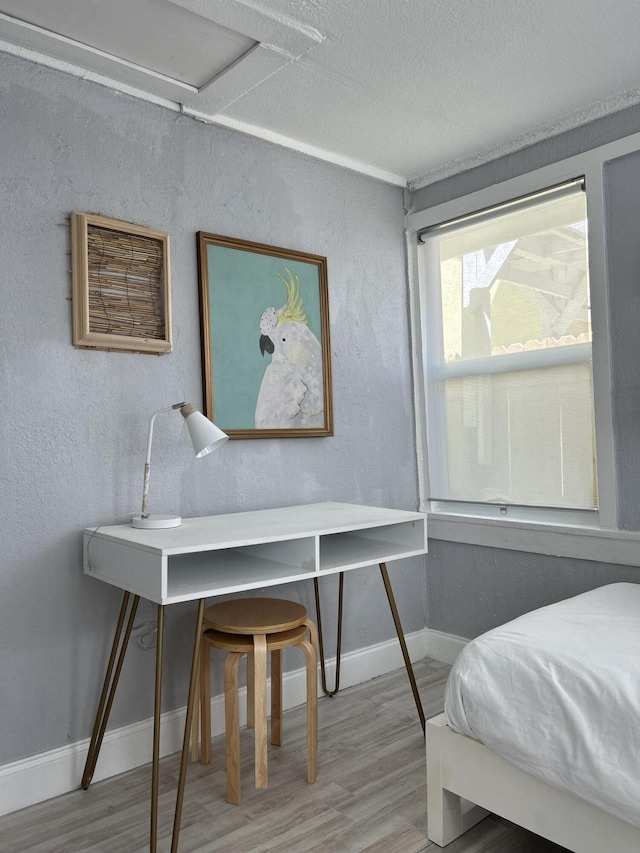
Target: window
pixel 510 412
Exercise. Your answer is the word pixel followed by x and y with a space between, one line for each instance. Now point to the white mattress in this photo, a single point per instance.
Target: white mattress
pixel 557 693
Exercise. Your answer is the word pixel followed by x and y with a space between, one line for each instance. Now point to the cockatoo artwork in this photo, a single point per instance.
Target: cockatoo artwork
pixel 291 395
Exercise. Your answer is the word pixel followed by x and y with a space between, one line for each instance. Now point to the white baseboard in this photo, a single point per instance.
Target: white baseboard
pixel 444 647
pixel 49 774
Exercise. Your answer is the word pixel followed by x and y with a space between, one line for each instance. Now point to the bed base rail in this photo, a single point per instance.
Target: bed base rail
pixel 466 781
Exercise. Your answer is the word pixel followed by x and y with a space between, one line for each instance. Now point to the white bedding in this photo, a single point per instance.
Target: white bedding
pixel 557 693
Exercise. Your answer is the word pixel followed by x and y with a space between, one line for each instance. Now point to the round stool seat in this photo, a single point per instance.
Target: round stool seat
pixel 254 616
pixel 243 643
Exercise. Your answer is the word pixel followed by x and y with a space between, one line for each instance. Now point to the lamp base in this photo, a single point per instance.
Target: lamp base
pixel 156 522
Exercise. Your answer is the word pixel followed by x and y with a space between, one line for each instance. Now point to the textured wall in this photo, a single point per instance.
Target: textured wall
pixel 622 203
pixel 471 589
pixel 73 431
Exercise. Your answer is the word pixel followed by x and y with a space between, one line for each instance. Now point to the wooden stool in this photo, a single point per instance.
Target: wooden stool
pixel 255 627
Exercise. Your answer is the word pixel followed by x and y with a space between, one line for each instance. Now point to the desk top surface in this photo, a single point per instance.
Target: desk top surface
pixel 253 527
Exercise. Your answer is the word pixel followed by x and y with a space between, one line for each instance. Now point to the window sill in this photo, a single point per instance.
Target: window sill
pixel 582 542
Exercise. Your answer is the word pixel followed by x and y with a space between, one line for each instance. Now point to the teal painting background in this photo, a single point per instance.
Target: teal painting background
pixel 241 285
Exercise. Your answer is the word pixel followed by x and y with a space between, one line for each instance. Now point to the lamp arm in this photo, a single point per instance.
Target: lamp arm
pixel 147 465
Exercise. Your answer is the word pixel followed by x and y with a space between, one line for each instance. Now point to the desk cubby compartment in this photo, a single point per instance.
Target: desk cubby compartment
pixel 372 545
pixel 228 570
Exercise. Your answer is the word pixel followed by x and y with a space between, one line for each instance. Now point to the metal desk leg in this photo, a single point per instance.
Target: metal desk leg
pixel 109 687
pixel 155 771
pixel 323 673
pixel 403 644
pixel 187 727
pixel 399 631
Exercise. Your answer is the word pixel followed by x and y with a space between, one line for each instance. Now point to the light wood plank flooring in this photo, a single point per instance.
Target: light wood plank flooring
pixel 369 796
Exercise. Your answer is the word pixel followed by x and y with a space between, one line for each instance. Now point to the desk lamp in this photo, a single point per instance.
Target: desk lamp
pixel 205 437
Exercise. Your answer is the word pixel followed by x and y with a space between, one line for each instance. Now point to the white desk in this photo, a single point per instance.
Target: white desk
pixel 219 555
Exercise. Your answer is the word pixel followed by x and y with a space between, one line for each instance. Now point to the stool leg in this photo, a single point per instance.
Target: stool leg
pixel 276 697
pixel 232 726
pixel 313 635
pixel 260 708
pixel 205 703
pixel 250 693
pixel 312 710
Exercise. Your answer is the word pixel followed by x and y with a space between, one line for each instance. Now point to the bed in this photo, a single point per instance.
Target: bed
pixel 542 726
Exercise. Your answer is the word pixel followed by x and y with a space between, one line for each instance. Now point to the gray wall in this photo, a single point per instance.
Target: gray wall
pixel 472 589
pixel 74 422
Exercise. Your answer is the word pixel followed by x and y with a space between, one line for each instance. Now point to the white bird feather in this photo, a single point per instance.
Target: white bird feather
pixel 291 395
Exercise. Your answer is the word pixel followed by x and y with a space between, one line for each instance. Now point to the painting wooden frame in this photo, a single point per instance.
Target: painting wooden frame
pixel 266 353
pixel 120 285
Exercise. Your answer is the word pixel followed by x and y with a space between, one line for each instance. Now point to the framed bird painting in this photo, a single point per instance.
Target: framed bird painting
pixel 266 354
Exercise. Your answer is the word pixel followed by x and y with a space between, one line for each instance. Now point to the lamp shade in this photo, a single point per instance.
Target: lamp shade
pixel 205 437
pixel 204 434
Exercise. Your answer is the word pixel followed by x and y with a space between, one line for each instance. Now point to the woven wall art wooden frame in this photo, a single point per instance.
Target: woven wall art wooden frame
pixel 121 288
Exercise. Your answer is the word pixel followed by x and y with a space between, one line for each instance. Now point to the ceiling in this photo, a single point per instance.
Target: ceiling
pixel 408 91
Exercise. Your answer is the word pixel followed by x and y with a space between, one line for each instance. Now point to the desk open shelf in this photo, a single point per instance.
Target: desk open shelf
pixel 222 572
pixel 363 547
pixel 230 553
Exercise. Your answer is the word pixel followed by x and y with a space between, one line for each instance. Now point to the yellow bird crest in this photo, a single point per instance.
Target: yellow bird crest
pixel 293 312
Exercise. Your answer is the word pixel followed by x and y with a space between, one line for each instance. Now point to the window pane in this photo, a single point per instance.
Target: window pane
pixel 523 438
pixel 516 281
pixel 510 393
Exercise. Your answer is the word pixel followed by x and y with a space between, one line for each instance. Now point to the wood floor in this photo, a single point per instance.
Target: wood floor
pixel 369 796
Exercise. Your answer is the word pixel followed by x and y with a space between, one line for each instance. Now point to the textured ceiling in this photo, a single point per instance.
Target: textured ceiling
pixel 409 91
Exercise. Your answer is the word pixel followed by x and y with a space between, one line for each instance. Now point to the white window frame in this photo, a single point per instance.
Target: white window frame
pixel 527 528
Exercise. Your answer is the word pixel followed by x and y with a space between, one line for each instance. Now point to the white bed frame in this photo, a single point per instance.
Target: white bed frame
pixel 466 781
